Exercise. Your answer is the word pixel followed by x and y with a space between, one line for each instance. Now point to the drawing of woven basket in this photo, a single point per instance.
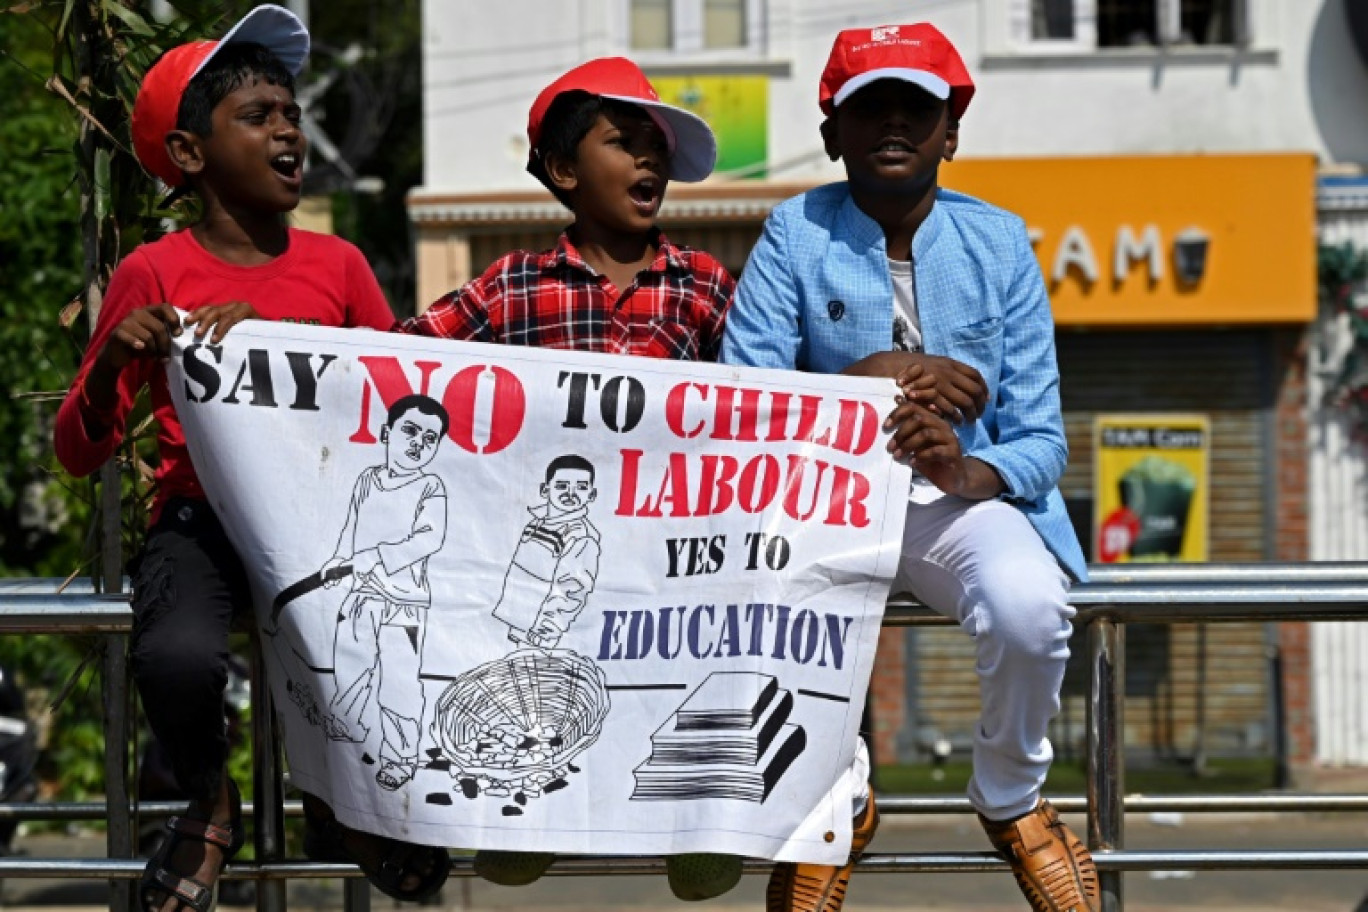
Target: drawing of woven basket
pixel 526 714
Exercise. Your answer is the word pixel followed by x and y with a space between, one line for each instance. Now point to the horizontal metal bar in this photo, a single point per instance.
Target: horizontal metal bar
pixel 1231 860
pixel 1148 804
pixel 1147 574
pixel 132 868
pixel 1100 595
pixel 1172 602
pixel 1107 595
pixel 90 810
pixel 1225 614
pixel 45 585
pixel 28 612
pixel 1134 574
pixel 898 616
pixel 1168 597
pixel 599 865
pixel 888 804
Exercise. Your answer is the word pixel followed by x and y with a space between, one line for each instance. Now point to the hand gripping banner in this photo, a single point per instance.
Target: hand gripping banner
pixel 523 599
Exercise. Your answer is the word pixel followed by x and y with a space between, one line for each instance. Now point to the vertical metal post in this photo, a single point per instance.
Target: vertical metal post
pixel 117 698
pixel 356 894
pixel 268 788
pixel 118 808
pixel 1282 770
pixel 1106 769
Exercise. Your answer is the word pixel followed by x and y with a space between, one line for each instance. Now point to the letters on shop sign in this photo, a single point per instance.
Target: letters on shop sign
pixel 1075 251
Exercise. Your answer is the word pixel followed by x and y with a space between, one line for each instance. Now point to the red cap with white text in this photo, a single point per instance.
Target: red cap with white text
pixel 916 53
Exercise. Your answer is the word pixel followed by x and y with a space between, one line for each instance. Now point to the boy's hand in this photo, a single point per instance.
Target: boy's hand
pixel 220 318
pixel 144 333
pixel 332 565
pixel 952 388
pixel 929 443
pixel 957 390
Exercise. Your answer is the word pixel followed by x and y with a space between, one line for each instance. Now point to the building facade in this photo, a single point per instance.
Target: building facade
pixel 1165 154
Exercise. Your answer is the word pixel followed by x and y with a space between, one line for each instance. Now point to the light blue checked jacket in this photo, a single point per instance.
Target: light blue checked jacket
pixel 816 296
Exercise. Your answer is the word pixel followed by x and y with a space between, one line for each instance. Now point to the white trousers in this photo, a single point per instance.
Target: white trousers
pixel 983 564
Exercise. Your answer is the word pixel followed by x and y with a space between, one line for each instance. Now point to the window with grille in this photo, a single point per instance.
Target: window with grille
pixel 1102 24
pixel 693 26
pixel 650 25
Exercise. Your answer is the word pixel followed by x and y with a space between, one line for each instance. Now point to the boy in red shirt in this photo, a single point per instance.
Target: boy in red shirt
pixel 218 118
pixel 606 146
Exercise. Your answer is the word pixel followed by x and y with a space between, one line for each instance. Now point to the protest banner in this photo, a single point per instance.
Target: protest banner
pixel 524 599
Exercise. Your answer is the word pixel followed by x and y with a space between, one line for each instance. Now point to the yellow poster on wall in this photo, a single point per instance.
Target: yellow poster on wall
pixel 737 109
pixel 1151 487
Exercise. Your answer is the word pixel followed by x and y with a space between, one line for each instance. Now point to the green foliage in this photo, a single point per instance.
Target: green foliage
pixel 379 106
pixel 1342 271
pixel 40 270
pixel 75 201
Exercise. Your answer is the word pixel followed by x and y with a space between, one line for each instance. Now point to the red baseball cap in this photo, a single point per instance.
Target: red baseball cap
pixel 917 53
pixel 159 96
pixel 693 148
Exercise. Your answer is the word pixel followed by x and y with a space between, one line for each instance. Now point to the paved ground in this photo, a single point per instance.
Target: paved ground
pixel 1250 891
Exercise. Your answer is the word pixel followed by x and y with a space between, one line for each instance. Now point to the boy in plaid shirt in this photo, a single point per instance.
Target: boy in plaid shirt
pixel 606 146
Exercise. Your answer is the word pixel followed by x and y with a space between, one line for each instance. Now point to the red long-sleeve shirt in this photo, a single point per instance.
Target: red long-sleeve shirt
pixel 319 279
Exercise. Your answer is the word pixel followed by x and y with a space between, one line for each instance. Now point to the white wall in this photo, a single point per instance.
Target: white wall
pixel 484 61
pixel 1338 508
pixel 1300 86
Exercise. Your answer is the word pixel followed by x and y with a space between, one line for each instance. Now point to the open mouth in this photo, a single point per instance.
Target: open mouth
pixel 287 164
pixel 645 194
pixel 895 146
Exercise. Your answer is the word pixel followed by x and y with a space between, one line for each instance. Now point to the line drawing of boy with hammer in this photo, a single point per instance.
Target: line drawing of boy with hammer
pixel 396 520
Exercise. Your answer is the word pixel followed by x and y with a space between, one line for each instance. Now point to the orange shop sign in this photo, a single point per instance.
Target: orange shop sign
pixel 1163 240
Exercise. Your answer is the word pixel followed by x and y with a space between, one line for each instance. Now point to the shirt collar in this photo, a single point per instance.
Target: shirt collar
pixel 541 514
pixel 867 234
pixel 566 255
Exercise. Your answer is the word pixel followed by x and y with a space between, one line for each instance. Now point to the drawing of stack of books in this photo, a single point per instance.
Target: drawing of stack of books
pixel 730 739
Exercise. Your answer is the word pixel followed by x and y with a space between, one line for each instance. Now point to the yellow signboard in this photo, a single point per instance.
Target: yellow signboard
pixel 1163 240
pixel 1151 488
pixel 737 109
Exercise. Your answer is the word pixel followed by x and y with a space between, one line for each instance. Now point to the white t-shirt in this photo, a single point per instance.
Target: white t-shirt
pixel 907 336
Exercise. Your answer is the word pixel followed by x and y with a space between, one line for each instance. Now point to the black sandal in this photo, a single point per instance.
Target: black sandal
pixel 187 890
pixel 325 840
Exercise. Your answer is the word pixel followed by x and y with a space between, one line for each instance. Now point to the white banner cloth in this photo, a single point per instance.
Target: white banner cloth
pixel 524 599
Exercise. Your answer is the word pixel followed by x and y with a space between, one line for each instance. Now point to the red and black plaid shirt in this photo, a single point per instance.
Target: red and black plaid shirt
pixel 673 309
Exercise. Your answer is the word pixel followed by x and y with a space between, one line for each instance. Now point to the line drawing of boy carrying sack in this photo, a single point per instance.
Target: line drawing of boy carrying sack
pixel 556 562
pixel 396 520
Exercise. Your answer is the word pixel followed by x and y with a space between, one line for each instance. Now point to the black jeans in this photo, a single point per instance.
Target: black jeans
pixel 188 587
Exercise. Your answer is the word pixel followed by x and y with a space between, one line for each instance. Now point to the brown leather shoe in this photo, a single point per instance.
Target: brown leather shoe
pixel 820 888
pixel 1052 867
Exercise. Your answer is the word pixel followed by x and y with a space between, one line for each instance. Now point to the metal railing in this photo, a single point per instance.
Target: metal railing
pixel 1183 593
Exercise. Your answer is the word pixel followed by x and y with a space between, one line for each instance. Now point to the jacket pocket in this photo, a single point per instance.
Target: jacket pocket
pixel 981 330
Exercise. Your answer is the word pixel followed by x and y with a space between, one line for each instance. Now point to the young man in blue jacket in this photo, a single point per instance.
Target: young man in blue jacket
pixel 886 274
